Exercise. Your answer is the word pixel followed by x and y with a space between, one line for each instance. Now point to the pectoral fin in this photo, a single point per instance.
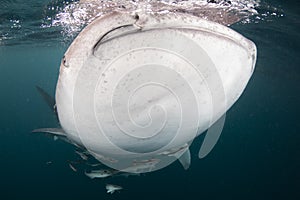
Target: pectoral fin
pixel 211 137
pixel 110 191
pixel 52 131
pixel 48 98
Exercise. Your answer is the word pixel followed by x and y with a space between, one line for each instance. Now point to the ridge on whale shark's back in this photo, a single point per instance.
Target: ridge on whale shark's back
pixel 136 90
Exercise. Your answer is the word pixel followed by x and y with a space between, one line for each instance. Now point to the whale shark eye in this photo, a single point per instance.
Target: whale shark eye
pixel 64 62
pixel 136 16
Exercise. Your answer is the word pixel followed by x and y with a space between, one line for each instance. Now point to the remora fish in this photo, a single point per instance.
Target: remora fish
pixel 103 173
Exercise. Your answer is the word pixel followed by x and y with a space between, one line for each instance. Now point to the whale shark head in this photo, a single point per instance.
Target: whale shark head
pixel 135 90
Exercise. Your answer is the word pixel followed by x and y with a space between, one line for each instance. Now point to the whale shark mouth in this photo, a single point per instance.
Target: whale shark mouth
pixel 74 16
pixel 54 20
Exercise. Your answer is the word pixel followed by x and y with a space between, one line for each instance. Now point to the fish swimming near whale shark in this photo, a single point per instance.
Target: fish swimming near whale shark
pixel 112 188
pixel 103 173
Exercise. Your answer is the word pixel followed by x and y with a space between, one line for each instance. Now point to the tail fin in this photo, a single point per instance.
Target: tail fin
pixel 90 175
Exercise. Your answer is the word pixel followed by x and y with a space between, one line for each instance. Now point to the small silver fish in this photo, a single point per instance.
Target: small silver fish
pixel 103 173
pixel 72 167
pixel 112 188
pixel 93 164
pixel 49 162
pixel 82 155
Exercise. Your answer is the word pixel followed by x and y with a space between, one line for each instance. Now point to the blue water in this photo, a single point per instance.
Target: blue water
pixel 257 156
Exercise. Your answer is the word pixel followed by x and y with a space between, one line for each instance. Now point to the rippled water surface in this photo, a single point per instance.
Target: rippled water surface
pixel 257 156
pixel 29 21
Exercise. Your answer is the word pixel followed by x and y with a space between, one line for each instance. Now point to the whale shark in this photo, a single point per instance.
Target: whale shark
pixel 135 90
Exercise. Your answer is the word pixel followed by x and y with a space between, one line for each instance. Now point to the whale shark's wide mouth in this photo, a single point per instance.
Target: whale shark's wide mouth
pixel 60 21
pixel 80 13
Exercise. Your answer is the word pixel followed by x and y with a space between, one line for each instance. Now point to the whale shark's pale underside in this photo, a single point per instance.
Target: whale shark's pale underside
pixel 135 90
